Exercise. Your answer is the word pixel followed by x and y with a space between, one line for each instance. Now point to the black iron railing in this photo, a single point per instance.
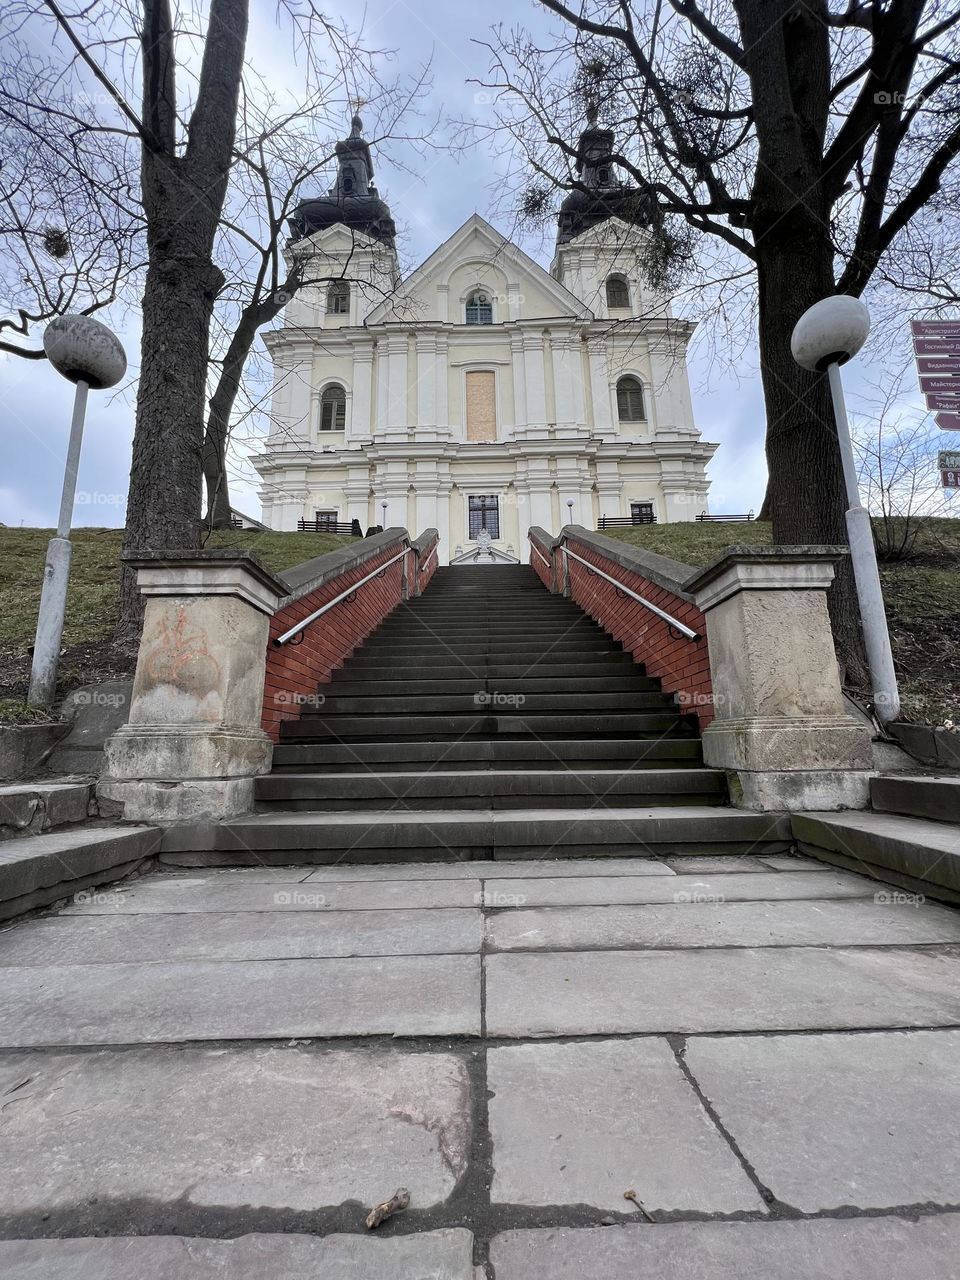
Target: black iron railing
pixel 617 522
pixel 345 528
pixel 704 515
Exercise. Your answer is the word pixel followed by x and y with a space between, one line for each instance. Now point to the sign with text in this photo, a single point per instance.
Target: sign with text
pixel 949 459
pixel 936 345
pixel 950 479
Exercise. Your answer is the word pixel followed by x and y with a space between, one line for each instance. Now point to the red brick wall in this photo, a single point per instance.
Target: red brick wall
pixel 682 665
pixel 294 670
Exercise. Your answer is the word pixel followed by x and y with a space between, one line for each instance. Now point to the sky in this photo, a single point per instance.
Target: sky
pixel 428 205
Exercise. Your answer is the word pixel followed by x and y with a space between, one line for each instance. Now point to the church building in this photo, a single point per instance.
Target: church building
pixel 481 394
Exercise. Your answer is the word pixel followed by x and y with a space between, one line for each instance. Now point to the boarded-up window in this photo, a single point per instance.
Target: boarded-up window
pixel 481 405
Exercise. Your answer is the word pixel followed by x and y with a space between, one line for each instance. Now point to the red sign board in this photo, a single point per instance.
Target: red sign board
pixel 950 479
pixel 938 364
pixel 937 346
pixel 950 404
pixel 933 385
pixel 948 421
pixel 935 328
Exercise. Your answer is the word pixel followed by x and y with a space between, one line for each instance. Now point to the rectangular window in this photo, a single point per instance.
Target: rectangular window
pixel 326 520
pixel 481 396
pixel 641 512
pixel 484 513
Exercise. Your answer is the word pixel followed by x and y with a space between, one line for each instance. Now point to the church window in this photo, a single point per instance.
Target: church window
pixel 630 400
pixel 641 512
pixel 479 308
pixel 618 292
pixel 338 299
pixel 481 405
pixel 333 409
pixel 484 513
pixel 326 521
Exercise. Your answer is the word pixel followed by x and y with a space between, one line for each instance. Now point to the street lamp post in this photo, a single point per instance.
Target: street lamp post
pixel 88 354
pixel 569 511
pixel 383 519
pixel 826 336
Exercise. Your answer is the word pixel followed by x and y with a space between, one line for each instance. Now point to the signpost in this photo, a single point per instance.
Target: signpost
pixel 948 460
pixel 936 345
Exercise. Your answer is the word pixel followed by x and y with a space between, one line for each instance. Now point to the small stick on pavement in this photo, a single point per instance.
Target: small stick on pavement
pixel 380 1212
pixel 632 1195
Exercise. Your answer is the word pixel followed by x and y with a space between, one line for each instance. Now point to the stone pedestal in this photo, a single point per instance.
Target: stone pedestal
pixel 781 731
pixel 193 743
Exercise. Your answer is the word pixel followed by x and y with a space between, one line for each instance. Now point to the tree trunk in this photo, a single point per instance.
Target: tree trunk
pixel 183 198
pixel 805 496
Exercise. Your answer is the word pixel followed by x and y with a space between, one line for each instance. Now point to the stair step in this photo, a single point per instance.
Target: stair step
pixel 491 753
pixel 38 870
pixel 918 796
pixel 557 665
pixel 924 853
pixel 484 725
pixel 364 836
pixel 41 806
pixel 497 789
pixel 625 684
pixel 479 702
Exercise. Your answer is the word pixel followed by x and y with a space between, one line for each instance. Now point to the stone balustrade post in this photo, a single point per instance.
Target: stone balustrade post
pixel 193 743
pixel 780 730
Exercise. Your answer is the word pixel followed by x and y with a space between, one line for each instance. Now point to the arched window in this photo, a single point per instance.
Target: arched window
pixel 338 298
pixel 333 409
pixel 479 308
pixel 618 292
pixel 630 400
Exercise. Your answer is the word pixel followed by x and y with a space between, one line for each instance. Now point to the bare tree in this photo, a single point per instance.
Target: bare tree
pixel 805 139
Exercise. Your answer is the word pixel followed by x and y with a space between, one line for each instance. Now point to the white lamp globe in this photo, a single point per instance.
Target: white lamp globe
pixel 830 332
pixel 84 350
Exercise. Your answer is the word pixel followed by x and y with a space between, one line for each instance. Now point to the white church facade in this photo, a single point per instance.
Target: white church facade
pixel 481 393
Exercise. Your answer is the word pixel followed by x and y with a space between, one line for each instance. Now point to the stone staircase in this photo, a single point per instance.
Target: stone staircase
pixel 485 719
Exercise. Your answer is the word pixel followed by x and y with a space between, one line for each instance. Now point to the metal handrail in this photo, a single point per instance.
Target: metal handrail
pixel 671 621
pixel 429 556
pixel 536 550
pixel 288 635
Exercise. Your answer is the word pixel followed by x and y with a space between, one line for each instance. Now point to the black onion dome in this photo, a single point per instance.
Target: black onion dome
pixel 353 201
pixel 602 196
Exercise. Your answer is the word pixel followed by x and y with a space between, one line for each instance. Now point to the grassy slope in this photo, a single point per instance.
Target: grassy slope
pixel 922 596
pixel 92 599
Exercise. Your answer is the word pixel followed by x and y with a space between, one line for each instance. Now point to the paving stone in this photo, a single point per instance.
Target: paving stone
pixel 558 867
pixel 870 1120
pixel 728 924
pixel 158 894
pixel 214 1000
pixel 264 1126
pixel 580 1123
pixel 793 862
pixel 72 939
pixel 600 890
pixel 776 989
pixel 824 1249
pixel 446 1254
pixel 713 864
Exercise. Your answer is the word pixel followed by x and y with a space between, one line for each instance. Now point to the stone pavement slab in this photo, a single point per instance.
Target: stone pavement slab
pixel 72 939
pixel 601 890
pixel 437 1255
pixel 772 989
pixel 793 862
pixel 581 1123
pixel 823 1249
pixel 260 1126
pixel 199 894
pixel 226 1000
pixel 715 864
pixel 498 870
pixel 867 1120
pixel 851 922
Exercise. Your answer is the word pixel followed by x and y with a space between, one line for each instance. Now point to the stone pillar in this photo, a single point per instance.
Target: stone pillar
pixel 781 730
pixel 360 426
pixel 534 377
pixel 193 743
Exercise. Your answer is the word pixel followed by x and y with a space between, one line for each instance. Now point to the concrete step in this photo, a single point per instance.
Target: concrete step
pixel 490 788
pixel 340 837
pixel 548 663
pixel 480 701
pixel 918 796
pixel 491 753
pixel 37 870
pixel 411 624
pixel 504 650
pixel 41 806
pixel 624 683
pixel 922 855
pixel 484 723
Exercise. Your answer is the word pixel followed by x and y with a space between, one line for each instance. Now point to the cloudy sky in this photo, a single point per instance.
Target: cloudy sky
pixel 428 206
